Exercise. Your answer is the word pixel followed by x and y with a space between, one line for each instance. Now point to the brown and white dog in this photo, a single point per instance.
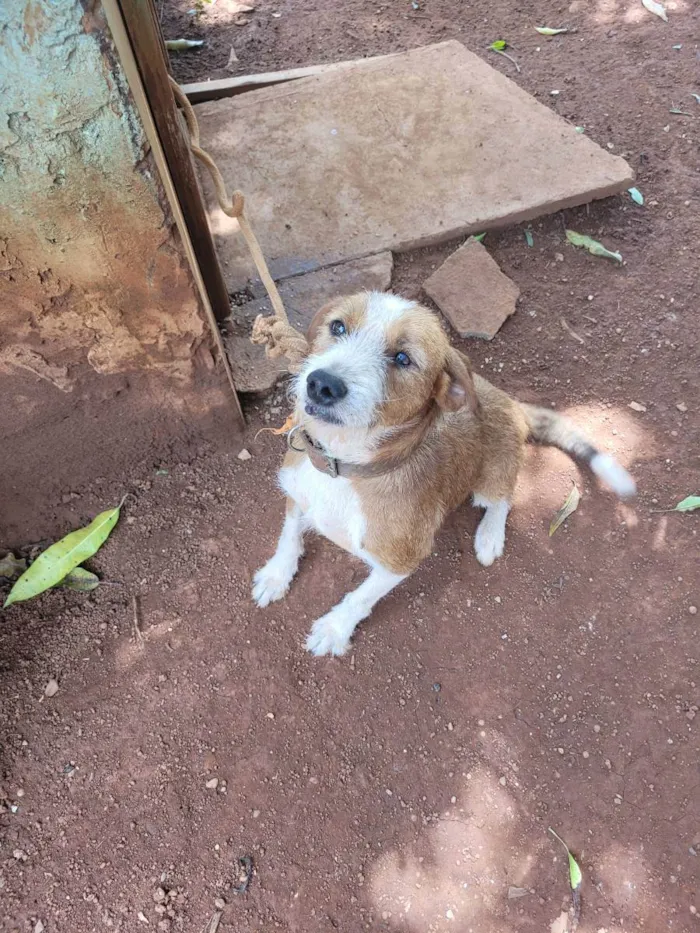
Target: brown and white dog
pixel 393 432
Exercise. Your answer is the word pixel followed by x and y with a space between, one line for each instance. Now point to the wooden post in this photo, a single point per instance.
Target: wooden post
pixel 151 58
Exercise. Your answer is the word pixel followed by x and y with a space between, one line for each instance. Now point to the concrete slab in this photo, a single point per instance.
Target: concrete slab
pixel 392 153
pixel 472 292
pixel 302 296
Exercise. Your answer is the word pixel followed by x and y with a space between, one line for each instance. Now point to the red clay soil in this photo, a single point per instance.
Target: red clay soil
pixel 410 785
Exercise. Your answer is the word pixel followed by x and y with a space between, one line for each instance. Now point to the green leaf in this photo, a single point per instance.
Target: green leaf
pixel 658 9
pixel 689 504
pixel 575 876
pixel 181 45
pixel 11 566
pixel 546 31
pixel 479 237
pixel 529 239
pixel 499 45
pixel 580 129
pixel 81 580
pixel 56 562
pixel 569 507
pixel 593 246
pixel 636 195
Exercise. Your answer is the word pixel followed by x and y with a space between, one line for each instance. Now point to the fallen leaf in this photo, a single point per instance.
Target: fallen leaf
pixel 575 880
pixel 636 406
pixel 528 237
pixel 636 195
pixel 11 566
pixel 81 580
pixel 546 31
pixel 689 504
pixel 499 45
pixel 287 426
pixel 658 9
pixel 679 113
pixel 569 507
pixel 593 246
pixel 57 561
pixel 479 237
pixel 51 688
pixel 181 45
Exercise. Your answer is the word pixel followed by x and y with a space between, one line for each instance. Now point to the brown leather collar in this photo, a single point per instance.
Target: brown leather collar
pixel 300 440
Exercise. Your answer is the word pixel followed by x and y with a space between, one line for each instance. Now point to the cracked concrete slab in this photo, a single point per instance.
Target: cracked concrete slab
pixel 392 153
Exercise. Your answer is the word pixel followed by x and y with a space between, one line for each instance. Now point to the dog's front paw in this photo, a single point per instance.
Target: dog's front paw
pixel 330 634
pixel 270 583
pixel 489 543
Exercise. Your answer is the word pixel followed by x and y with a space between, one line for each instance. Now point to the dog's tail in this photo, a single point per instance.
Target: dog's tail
pixel 548 427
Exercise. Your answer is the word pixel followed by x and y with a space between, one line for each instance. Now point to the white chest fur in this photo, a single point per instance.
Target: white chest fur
pixel 330 505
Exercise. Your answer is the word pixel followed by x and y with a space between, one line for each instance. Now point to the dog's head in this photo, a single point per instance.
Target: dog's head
pixel 379 360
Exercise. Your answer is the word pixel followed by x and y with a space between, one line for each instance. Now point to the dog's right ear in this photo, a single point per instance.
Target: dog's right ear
pixel 317 323
pixel 455 386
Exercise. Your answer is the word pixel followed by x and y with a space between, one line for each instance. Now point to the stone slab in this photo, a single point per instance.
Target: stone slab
pixel 302 296
pixel 392 153
pixel 472 292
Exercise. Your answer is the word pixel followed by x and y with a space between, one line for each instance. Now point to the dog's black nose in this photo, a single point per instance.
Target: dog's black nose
pixel 324 388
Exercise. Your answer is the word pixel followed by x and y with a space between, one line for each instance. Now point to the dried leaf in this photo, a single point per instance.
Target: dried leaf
pixel 81 580
pixel 569 507
pixel 658 9
pixel 679 113
pixel 636 196
pixel 546 31
pixel 51 688
pixel 689 504
pixel 514 893
pixel 55 563
pixel 593 246
pixel 181 45
pixel 11 566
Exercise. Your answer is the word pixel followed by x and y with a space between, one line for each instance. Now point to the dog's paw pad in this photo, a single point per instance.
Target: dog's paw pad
pixel 328 636
pixel 269 585
pixel 488 545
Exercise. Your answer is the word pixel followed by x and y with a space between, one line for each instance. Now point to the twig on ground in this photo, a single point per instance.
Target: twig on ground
pixel 138 634
pixel 570 331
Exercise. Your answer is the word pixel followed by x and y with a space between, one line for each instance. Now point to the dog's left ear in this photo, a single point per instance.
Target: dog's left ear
pixel 455 386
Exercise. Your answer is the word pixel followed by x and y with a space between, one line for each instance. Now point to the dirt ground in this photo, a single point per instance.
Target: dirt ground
pixel 409 786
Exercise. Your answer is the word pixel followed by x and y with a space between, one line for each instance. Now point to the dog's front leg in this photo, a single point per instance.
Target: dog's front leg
pixel 331 633
pixel 272 581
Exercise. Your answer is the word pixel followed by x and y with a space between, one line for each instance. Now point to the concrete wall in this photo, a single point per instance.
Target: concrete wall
pixel 96 298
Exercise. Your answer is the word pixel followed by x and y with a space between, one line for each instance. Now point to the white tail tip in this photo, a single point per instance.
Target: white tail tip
pixel 616 476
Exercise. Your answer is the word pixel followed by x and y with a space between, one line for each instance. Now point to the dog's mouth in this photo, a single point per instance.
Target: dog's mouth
pixel 322 414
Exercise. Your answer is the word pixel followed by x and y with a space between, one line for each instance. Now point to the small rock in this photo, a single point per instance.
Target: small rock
pixel 691 609
pixel 472 292
pixel 514 893
pixel 39 926
pixel 219 903
pixel 449 914
pixel 142 917
pixel 165 925
pixel 636 406
pixel 159 895
pixel 502 781
pixel 212 783
pixel 596 728
pixel 20 792
pixel 51 688
pixel 20 855
pixel 681 406
pixel 256 814
pixel 244 454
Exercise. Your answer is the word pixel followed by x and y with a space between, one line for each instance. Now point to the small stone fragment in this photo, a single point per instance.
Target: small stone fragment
pixel 244 454
pixel 472 292
pixel 51 688
pixel 637 406
pixel 212 783
pixel 514 893
pixel 219 903
pixel 681 406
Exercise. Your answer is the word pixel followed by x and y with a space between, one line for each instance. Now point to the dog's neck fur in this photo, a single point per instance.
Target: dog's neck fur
pixel 375 444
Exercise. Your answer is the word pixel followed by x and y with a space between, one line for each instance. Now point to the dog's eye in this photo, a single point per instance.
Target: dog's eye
pixel 402 359
pixel 337 328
